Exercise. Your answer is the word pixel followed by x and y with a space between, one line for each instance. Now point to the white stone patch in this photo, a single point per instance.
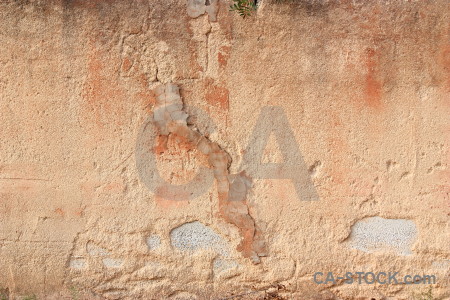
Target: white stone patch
pixel 441 264
pixel 377 234
pixel 153 242
pixel 77 263
pixel 194 236
pixel 112 263
pixel 220 265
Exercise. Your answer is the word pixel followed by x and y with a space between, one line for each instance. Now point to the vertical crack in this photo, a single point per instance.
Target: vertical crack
pixel 207 48
pixel 232 189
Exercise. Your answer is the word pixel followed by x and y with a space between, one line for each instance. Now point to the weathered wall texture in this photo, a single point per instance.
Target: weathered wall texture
pixel 106 105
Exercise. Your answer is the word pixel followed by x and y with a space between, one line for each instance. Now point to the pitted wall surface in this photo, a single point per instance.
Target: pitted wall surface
pixel 312 136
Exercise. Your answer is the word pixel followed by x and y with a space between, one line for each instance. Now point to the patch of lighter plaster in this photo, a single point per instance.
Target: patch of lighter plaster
pixel 153 242
pixel 77 263
pixel 221 265
pixel 377 234
pixel 194 236
pixel 112 263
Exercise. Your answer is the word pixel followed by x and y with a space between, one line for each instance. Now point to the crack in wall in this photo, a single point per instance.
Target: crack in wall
pixel 207 34
pixel 232 189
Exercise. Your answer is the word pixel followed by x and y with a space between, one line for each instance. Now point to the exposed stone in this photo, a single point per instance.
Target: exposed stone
pixel 77 263
pixel 360 88
pixel 112 263
pixel 153 242
pixel 194 236
pixel 378 234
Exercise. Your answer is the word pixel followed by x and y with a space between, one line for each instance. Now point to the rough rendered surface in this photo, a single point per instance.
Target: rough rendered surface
pixel 130 133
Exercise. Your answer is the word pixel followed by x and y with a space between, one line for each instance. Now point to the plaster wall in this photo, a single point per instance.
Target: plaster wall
pixel 173 150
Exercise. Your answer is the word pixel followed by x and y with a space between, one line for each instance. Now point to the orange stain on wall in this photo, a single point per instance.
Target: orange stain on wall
pixel 446 65
pixel 161 144
pixel 101 91
pixel 216 95
pixel 373 86
pixel 223 56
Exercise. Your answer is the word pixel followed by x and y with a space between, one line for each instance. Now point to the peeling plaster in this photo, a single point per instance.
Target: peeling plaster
pixel 74 213
pixel 170 118
pixel 377 234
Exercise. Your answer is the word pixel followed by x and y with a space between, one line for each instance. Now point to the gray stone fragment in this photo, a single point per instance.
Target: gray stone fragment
pixel 376 234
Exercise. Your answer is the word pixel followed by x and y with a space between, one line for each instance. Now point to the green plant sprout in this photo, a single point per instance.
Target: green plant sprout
pixel 244 8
